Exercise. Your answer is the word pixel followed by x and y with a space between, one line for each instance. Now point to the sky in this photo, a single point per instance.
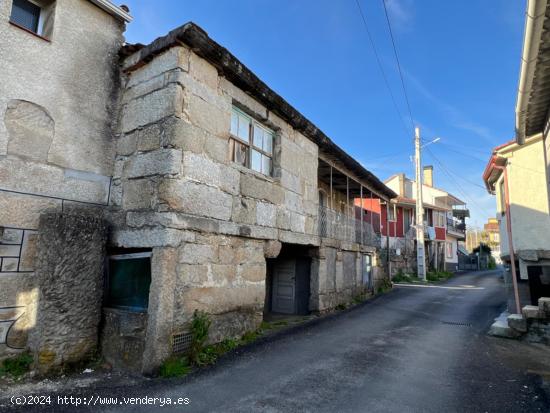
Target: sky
pixel 460 63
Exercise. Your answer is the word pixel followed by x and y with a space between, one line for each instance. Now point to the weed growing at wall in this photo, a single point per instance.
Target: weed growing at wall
pixel 16 366
pixel 199 331
pixel 175 367
pixel 434 276
pixel 385 286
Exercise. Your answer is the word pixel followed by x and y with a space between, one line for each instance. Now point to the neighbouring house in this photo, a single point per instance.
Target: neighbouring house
pixel 516 175
pixel 139 184
pixel 444 223
pixel 491 237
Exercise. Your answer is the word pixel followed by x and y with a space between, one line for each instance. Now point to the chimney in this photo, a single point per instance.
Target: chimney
pixel 401 184
pixel 429 175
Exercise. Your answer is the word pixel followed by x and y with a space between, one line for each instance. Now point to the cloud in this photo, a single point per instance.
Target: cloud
pixel 458 119
pixel 400 11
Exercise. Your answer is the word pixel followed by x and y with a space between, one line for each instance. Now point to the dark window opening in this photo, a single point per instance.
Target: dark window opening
pixel 25 14
pixel 34 16
pixel 128 281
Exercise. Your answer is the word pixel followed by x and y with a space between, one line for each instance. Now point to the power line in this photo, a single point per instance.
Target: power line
pixel 458 186
pixel 371 40
pixel 464 153
pixel 398 64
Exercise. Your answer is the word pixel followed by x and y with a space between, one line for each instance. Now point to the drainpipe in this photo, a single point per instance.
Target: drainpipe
pixel 510 241
pixel 534 20
pixel 388 267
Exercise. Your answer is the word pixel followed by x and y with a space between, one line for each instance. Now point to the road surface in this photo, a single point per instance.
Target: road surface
pixel 416 349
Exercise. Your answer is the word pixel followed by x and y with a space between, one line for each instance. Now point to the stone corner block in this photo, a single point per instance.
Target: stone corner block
pixel 272 248
pixel 159 162
pixel 517 322
pixel 531 311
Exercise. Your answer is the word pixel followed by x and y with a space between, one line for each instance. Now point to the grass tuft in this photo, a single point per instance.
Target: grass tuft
pixel 175 367
pixel 16 366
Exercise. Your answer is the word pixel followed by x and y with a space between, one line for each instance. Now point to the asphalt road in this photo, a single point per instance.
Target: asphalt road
pixel 416 349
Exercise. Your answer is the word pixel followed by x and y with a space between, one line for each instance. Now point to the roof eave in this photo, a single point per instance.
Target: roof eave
pixel 534 20
pixel 113 10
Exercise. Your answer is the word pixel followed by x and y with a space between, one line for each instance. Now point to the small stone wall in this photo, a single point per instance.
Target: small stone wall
pixel 337 277
pixel 224 276
pixel 533 324
pixel 69 270
pixel 123 338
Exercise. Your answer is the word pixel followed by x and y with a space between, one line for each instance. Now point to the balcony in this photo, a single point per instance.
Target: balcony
pixel 339 226
pixel 456 227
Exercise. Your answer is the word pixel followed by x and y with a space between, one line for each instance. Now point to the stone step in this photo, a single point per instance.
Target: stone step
pixel 531 312
pixel 517 322
pixel 500 327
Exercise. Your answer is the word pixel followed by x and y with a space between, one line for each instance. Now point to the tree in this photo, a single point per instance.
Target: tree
pixel 483 249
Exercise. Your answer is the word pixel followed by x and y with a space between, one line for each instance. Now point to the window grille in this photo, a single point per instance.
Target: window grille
pixel 181 342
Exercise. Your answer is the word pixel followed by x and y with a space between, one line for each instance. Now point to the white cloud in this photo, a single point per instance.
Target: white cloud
pixel 400 11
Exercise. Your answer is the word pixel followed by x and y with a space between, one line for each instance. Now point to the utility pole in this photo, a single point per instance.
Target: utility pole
pixel 420 252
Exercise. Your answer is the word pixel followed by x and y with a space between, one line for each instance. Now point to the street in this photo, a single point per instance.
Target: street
pixel 418 349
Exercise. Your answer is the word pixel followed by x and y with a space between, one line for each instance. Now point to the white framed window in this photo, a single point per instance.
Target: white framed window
pixel 439 219
pixel 35 16
pixel 251 144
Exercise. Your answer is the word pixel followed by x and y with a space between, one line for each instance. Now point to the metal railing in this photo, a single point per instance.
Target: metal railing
pixel 456 226
pixel 339 226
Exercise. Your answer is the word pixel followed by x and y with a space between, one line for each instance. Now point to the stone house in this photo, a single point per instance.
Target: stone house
pixel 172 180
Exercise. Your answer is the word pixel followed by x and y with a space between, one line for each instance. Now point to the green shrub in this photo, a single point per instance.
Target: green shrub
pixel 384 286
pixel 400 277
pixel 250 336
pixel 341 307
pixel 433 276
pixel 199 332
pixel 175 367
pixel 16 366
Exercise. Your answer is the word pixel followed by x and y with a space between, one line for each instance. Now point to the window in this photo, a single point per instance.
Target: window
pixel 407 219
pixel 449 249
pixel 35 16
pixel 128 281
pixel 440 219
pixel 391 215
pixel 251 144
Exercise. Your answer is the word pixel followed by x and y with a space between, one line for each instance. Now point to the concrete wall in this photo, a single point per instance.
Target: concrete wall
pixel 528 197
pixel 56 104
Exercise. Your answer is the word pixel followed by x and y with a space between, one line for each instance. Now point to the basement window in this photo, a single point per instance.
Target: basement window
pixel 128 281
pixel 251 144
pixel 34 16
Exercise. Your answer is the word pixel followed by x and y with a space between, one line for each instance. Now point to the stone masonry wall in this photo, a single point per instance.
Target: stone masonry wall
pixel 338 280
pixel 70 277
pixel 207 219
